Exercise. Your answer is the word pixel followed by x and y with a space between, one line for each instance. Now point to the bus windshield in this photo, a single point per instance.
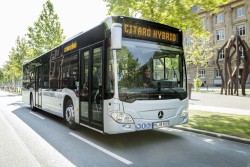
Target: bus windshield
pixel 150 70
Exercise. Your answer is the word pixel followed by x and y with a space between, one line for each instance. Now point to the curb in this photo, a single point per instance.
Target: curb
pixel 213 134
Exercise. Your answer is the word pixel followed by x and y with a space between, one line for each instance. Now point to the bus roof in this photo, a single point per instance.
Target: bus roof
pixel 106 23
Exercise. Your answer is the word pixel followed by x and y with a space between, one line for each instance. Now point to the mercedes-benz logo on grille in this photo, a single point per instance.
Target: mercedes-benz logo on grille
pixel 160 114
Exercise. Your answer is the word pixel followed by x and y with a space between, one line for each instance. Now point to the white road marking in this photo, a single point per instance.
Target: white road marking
pixel 208 140
pixel 37 115
pixel 102 149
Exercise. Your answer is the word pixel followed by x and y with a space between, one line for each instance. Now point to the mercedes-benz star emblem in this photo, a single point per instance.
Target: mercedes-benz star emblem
pixel 160 114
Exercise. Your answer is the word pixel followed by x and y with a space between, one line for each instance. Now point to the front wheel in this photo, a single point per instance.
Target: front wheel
pixel 70 114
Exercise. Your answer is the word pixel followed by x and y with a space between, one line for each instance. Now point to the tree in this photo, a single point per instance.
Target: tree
pixel 175 13
pixel 7 73
pixel 199 54
pixel 46 32
pixel 43 36
pixel 17 56
pixel 1 76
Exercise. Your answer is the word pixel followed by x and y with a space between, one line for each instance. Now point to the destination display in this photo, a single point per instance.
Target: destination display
pixel 70 47
pixel 141 29
pixel 144 32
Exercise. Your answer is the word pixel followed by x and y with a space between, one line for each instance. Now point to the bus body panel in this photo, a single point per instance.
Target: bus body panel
pixel 53 101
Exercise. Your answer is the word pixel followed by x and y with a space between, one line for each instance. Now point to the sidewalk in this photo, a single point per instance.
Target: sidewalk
pixel 13 151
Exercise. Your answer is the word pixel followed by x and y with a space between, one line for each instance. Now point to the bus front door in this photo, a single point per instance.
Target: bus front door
pixel 91 107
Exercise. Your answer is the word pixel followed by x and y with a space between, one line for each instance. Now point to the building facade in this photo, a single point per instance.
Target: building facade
pixel 232 18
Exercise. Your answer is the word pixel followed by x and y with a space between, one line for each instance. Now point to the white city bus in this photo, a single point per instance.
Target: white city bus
pixel 124 75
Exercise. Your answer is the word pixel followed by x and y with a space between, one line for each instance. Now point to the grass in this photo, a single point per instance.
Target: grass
pixel 235 125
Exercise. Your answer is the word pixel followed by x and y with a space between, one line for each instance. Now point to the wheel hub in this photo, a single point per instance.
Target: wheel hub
pixel 69 113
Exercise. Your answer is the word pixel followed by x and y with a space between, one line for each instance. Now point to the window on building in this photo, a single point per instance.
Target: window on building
pixel 220 18
pixel 240 12
pixel 202 73
pixel 217 73
pixel 221 54
pixel 220 34
pixel 188 41
pixel 240 30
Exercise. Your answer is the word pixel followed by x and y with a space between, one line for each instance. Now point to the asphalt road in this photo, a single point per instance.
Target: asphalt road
pixel 40 139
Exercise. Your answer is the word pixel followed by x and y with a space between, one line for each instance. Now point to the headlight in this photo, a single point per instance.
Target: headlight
pixel 184 113
pixel 121 117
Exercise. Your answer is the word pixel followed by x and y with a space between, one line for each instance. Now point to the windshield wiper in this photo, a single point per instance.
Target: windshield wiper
pixel 181 95
pixel 174 90
pixel 131 97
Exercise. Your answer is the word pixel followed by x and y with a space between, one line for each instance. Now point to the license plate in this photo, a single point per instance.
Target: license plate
pixel 160 124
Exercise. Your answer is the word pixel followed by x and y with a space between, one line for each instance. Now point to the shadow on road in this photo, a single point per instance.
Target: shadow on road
pixel 139 138
pixel 9 95
pixel 54 130
pixel 17 103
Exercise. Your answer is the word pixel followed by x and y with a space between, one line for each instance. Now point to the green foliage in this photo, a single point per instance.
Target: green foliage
pixel 46 32
pixel 16 57
pixel 197 84
pixel 176 13
pixel 1 74
pixel 200 52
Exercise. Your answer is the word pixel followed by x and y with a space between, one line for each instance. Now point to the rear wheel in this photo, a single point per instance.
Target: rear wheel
pixel 70 114
pixel 32 106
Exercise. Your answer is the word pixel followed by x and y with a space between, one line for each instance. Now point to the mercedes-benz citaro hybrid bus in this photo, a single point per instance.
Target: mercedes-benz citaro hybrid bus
pixel 124 75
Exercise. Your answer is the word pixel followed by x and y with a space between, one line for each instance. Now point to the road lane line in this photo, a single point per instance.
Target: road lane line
pixel 102 149
pixel 37 115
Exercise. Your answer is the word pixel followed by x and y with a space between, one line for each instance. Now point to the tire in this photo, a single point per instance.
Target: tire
pixel 70 114
pixel 32 106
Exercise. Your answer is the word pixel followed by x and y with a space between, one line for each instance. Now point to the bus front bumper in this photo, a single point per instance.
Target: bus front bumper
pixel 142 124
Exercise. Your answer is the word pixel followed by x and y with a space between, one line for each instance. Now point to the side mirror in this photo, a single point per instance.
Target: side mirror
pixel 116 36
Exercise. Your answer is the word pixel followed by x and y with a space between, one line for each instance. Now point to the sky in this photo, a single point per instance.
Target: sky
pixel 17 15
